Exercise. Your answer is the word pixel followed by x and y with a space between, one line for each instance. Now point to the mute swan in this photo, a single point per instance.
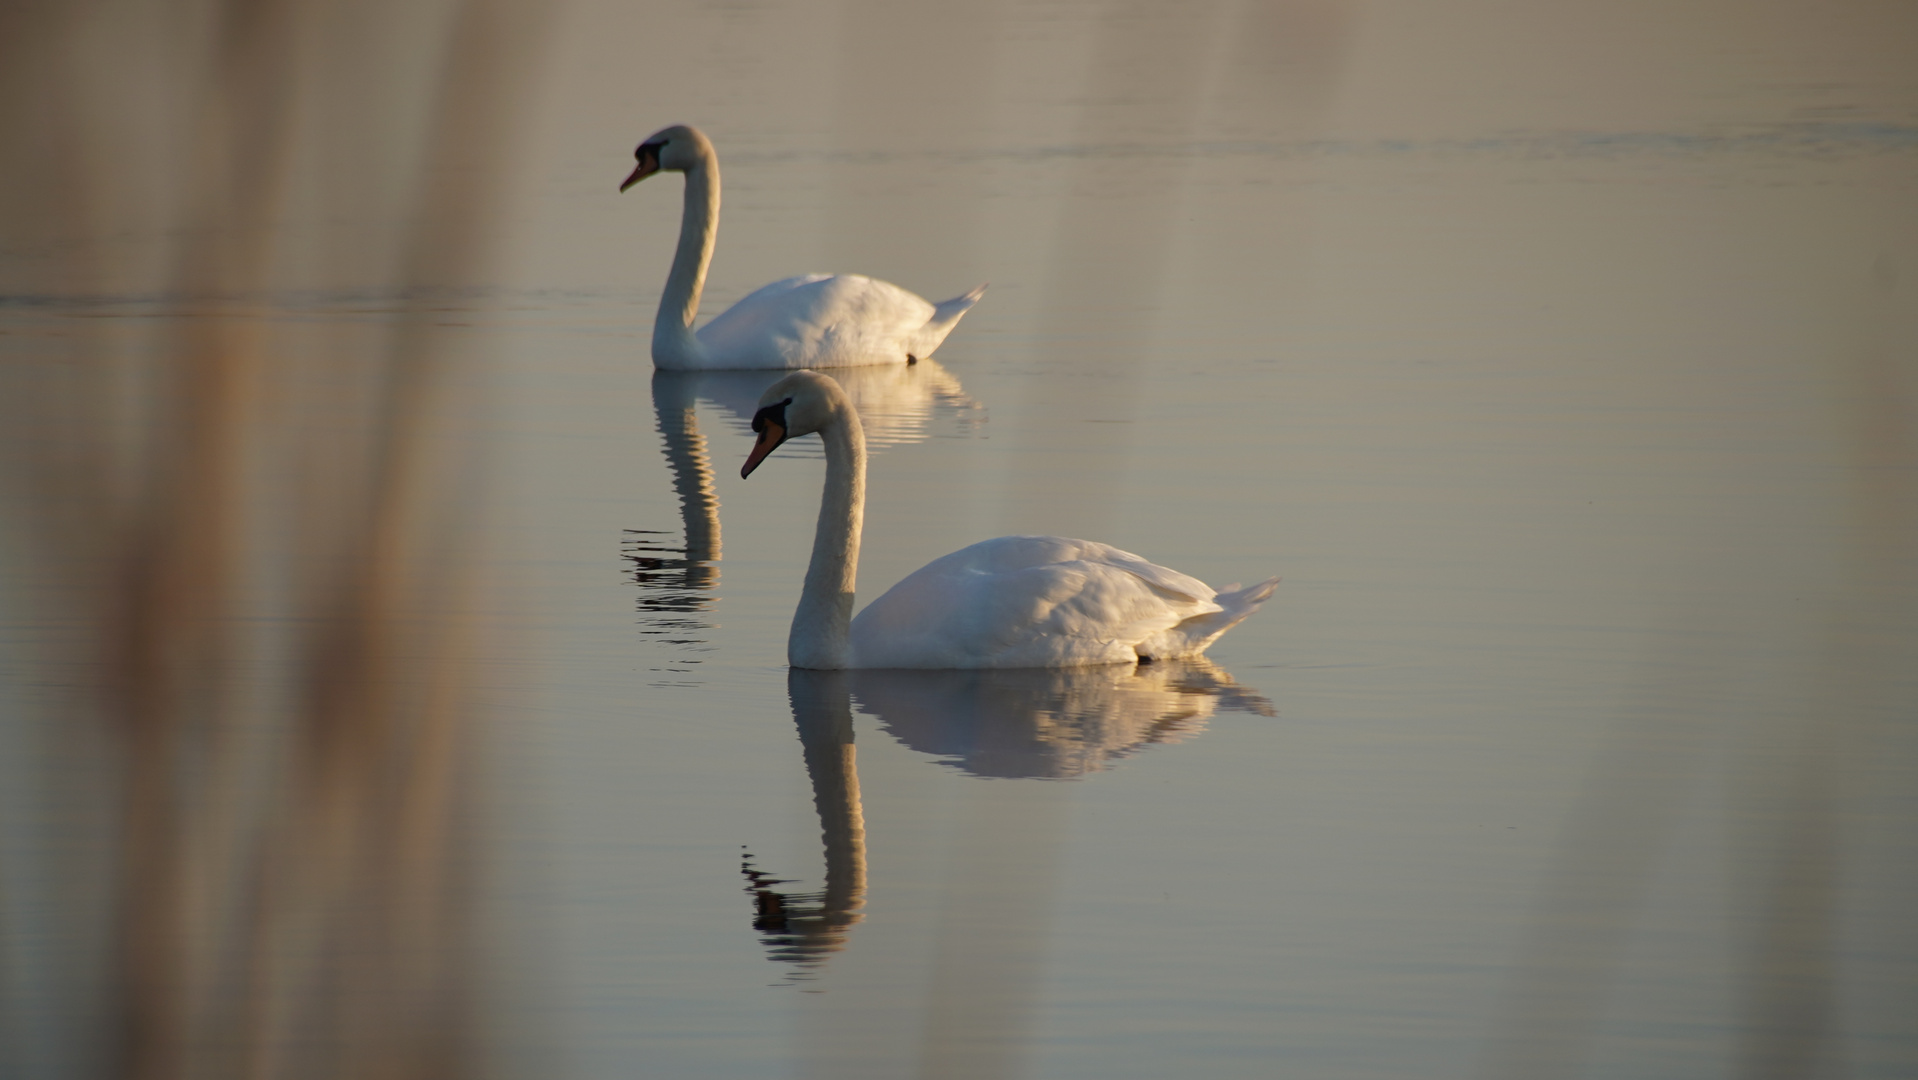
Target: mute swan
pixel 1013 602
pixel 814 320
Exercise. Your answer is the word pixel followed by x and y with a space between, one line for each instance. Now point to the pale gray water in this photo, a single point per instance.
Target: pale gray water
pixel 1562 362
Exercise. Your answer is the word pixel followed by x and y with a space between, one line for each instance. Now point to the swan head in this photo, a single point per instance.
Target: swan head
pixel 679 148
pixel 799 404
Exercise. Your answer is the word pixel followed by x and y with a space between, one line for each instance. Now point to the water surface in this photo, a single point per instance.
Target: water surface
pixel 1560 362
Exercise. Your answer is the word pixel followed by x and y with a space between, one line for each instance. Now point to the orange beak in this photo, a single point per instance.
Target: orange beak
pixel 770 436
pixel 648 157
pixel 646 169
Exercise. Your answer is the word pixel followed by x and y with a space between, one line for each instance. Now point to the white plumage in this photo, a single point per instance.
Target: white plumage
pixel 813 320
pixel 1044 601
pixel 828 320
pixel 1013 602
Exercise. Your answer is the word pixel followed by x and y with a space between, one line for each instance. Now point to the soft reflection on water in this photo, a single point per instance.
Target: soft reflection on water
pixel 803 929
pixel 1036 724
pixel 388 691
pixel 1049 724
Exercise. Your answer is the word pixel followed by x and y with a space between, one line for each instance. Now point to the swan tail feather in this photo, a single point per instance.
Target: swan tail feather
pixel 948 312
pixel 1193 636
pixel 944 317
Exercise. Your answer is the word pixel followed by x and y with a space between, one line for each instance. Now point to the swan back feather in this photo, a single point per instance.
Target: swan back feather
pixel 1042 601
pixel 828 320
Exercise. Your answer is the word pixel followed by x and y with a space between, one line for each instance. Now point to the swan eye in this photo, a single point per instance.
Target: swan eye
pixel 775 413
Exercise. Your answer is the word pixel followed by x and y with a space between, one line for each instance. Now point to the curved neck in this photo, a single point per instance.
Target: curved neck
pixel 821 636
pixel 698 229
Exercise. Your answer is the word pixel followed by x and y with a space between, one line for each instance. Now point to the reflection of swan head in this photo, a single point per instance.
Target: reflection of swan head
pixel 1054 723
pixel 674 149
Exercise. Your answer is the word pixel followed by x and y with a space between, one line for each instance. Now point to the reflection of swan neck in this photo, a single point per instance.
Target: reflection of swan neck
pixel 692 467
pixel 834 769
pixel 698 229
pixel 843 827
pixel 822 707
pixel 821 625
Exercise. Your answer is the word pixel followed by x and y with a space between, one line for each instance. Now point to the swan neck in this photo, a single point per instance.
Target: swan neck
pixel 698 230
pixel 821 630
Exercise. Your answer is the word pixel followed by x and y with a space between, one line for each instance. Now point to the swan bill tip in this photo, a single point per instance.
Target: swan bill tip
pixel 648 158
pixel 639 174
pixel 771 434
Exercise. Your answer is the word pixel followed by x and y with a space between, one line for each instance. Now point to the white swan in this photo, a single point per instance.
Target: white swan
pixel 814 320
pixel 1013 602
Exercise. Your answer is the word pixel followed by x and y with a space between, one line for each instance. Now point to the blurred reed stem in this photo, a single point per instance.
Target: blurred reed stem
pixel 262 560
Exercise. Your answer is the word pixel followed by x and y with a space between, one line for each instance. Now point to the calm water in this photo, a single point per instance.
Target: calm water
pixel 1561 363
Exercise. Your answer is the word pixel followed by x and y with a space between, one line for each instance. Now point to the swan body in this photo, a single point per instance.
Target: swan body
pixel 1044 602
pixel 814 320
pixel 1013 602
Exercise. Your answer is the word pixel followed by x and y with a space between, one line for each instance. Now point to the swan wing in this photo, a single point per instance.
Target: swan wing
pixel 1027 601
pixel 818 320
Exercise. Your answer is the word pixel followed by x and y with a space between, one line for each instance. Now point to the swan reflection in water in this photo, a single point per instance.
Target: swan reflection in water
pixel 1049 723
pixel 898 403
pixel 804 928
pixel 1055 724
